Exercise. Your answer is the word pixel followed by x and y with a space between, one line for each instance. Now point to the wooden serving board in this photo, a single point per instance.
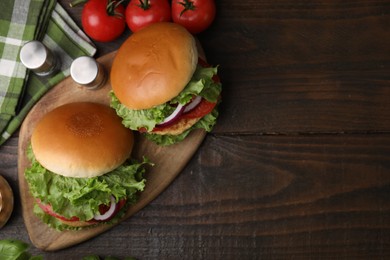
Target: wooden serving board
pixel 169 161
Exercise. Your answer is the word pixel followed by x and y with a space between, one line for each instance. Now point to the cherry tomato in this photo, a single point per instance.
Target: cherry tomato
pixel 140 13
pixel 195 15
pixel 103 20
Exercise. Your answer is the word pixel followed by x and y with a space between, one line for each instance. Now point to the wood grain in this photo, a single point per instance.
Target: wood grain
pixel 330 59
pixel 169 161
pixel 297 166
pixel 265 197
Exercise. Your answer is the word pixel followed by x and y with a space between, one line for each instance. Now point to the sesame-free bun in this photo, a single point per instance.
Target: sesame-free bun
pixel 153 65
pixel 81 139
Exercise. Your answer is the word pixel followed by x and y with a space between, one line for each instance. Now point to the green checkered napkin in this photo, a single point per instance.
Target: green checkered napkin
pixel 20 22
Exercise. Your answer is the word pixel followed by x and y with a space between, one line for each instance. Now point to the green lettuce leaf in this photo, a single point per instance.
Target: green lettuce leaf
pixel 55 223
pixel 81 197
pixel 201 84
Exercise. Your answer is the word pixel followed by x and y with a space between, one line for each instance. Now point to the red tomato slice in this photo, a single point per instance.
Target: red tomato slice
pixel 49 210
pixel 104 208
pixel 205 107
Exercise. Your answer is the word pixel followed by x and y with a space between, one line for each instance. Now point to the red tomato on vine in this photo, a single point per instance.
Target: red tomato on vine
pixel 140 13
pixel 195 15
pixel 103 20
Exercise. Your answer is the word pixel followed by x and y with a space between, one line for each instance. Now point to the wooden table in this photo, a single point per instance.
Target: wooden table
pixel 298 165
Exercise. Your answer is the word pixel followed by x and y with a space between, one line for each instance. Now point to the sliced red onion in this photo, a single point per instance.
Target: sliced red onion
pixel 194 102
pixel 172 117
pixel 109 213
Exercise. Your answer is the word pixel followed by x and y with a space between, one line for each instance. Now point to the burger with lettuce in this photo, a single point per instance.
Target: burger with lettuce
pixel 161 86
pixel 81 173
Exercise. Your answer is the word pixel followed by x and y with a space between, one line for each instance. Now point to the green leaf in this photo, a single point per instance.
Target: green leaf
pixel 12 249
pixel 82 197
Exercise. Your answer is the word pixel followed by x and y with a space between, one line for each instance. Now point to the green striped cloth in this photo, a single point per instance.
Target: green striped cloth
pixel 20 22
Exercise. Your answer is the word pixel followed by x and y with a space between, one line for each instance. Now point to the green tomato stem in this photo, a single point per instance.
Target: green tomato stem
pixel 145 5
pixel 112 5
pixel 77 2
pixel 188 5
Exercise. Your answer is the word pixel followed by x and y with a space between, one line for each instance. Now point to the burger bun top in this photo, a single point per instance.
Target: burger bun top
pixel 153 65
pixel 81 139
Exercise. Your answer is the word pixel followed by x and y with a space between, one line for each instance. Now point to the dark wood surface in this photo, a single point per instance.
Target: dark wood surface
pixel 298 166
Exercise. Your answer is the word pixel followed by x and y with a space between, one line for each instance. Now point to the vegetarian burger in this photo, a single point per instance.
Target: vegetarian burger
pixel 80 173
pixel 161 86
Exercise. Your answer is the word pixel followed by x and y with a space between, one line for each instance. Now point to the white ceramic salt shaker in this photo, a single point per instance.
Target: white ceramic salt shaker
pixel 38 58
pixel 87 72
